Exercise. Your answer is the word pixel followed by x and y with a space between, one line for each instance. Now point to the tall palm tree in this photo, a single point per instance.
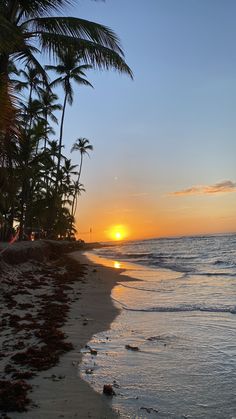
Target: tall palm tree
pixel 69 70
pixel 83 146
pixel 49 106
pixel 32 80
pixel 28 27
pixel 53 149
pixel 65 186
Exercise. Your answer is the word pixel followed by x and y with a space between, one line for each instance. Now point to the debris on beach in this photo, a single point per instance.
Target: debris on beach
pixel 154 338
pixel 132 348
pixel 35 340
pixel 57 377
pixel 149 409
pixel 93 351
pixel 115 384
pixel 108 390
pixel 89 371
pixel 13 395
pixel 157 339
pixel 23 375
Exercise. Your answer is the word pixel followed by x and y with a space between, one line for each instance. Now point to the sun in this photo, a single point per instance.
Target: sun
pixel 118 235
pixel 117 232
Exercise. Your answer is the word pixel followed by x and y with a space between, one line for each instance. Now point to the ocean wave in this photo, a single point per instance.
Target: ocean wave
pixel 220 262
pixel 227 264
pixel 230 274
pixel 140 255
pixel 174 267
pixel 181 308
pixel 148 289
pixel 184 308
pixel 202 255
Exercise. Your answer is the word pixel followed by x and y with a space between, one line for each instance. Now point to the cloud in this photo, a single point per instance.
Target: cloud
pixel 225 186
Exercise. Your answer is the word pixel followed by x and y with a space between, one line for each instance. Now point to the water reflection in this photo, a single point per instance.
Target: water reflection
pixel 117 265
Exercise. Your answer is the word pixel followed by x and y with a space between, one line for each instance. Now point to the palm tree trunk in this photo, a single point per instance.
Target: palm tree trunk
pixel 60 142
pixel 5 102
pixel 74 202
pixel 45 132
pixel 22 211
pixel 29 108
pixel 13 10
pixel 53 213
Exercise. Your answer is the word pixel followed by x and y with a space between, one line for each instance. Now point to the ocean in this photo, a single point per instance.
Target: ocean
pixel 179 310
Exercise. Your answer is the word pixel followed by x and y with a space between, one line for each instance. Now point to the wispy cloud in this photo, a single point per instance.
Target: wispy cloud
pixel 225 186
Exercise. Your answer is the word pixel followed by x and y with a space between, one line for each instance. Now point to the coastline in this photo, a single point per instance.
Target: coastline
pixel 59 391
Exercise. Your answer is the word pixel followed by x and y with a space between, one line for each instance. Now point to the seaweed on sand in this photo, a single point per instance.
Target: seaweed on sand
pixel 13 395
pixel 35 324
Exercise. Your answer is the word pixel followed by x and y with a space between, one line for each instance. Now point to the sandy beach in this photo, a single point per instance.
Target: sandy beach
pixel 50 310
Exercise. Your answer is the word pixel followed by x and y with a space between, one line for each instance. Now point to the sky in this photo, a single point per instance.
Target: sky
pixel 164 159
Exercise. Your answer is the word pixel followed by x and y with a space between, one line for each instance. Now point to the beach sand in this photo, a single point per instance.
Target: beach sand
pixel 59 391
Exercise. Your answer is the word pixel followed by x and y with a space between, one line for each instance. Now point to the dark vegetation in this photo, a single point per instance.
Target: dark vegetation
pixel 39 185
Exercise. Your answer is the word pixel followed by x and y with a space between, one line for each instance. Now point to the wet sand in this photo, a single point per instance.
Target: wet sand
pixel 58 391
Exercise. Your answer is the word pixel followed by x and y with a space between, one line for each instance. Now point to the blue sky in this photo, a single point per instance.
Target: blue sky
pixel 171 128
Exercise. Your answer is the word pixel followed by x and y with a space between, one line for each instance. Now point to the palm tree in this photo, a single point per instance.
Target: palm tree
pixel 32 81
pixel 66 187
pixel 49 106
pixel 83 146
pixel 28 175
pixel 69 70
pixel 53 149
pixel 30 26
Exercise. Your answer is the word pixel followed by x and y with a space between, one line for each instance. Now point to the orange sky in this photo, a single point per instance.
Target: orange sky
pixel 154 216
pixel 164 158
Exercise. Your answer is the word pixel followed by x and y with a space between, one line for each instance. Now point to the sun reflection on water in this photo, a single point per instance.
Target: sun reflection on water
pixel 117 265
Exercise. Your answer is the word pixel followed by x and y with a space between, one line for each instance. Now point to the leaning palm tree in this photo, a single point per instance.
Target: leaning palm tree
pixel 28 27
pixel 69 70
pixel 83 146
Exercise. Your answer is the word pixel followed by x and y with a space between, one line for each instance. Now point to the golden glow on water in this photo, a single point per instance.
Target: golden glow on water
pixel 117 265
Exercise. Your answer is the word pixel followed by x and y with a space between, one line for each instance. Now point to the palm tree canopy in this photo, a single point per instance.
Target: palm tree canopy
pixel 27 23
pixel 69 70
pixel 82 145
pixel 49 104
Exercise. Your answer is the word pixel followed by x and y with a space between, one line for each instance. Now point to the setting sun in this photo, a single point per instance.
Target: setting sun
pixel 118 235
pixel 117 232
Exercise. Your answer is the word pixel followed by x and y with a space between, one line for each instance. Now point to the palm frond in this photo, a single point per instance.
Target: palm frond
pixel 28 56
pixel 11 37
pixel 91 53
pixel 59 69
pixel 57 81
pixel 82 81
pixel 78 28
pixel 81 68
pixel 39 7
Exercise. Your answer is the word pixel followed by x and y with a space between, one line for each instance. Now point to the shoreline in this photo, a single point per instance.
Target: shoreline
pixel 60 391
